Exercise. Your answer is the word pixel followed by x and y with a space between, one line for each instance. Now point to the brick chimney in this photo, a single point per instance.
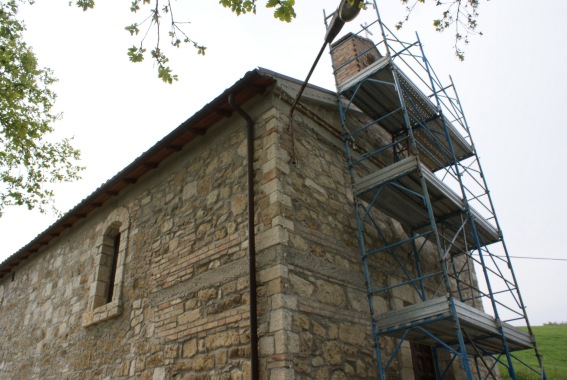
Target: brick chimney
pixel 350 55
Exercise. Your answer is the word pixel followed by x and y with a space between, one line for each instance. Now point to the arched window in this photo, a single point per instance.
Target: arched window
pixel 105 297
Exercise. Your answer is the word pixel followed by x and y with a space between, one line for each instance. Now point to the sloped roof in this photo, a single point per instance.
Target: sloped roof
pixel 253 83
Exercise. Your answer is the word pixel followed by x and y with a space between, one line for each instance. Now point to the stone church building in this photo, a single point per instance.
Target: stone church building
pixel 150 277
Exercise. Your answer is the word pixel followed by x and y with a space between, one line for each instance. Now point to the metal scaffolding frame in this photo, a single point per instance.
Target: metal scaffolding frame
pixel 422 282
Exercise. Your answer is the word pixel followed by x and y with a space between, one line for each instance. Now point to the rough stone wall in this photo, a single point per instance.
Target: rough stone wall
pixel 184 305
pixel 327 315
pixel 328 319
pixel 331 320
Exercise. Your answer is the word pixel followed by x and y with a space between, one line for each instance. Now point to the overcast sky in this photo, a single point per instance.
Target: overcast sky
pixel 511 86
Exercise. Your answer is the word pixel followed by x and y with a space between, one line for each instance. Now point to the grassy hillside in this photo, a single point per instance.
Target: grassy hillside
pixel 552 343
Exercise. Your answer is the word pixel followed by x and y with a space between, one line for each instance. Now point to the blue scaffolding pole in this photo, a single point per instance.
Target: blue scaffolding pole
pixel 426 221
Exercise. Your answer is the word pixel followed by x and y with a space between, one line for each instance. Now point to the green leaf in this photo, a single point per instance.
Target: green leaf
pixel 136 54
pixel 133 29
pixel 85 4
pixel 240 6
pixel 284 9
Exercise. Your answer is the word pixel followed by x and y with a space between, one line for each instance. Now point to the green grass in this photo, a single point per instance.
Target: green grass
pixel 552 344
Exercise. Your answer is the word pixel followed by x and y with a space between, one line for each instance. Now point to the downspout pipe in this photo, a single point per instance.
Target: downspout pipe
pixel 255 374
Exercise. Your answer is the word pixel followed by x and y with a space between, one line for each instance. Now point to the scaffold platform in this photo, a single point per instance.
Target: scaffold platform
pixel 399 187
pixel 436 314
pixel 373 90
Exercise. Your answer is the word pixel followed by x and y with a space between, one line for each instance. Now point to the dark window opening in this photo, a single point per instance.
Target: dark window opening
pixel 422 360
pixel 113 265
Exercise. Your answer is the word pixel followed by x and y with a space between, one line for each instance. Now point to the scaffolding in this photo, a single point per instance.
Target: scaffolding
pixel 412 158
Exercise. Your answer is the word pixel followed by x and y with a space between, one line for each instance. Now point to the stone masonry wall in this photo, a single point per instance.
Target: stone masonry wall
pixel 183 313
pixel 328 318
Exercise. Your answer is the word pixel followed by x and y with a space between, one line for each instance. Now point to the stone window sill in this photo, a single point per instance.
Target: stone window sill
pixel 102 313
